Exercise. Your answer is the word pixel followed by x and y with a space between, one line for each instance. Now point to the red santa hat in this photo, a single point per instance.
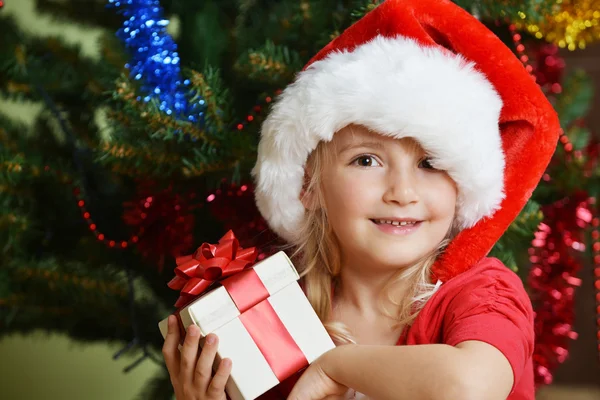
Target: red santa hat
pixel 429 70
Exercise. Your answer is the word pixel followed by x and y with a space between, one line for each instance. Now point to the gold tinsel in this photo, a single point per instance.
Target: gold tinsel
pixel 574 24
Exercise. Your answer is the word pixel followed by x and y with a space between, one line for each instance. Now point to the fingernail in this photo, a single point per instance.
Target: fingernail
pixel 211 339
pixel 226 362
pixel 170 323
pixel 193 330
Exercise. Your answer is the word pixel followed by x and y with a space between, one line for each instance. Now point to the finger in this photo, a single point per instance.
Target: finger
pixel 189 355
pixel 205 363
pixel 217 384
pixel 170 348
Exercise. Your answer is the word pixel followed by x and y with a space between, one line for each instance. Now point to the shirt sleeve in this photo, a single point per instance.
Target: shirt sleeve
pixel 493 307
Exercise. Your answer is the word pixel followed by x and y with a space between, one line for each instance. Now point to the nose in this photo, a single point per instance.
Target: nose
pixel 401 187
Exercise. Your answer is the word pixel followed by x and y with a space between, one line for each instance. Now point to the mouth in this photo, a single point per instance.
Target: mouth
pixel 398 227
pixel 397 222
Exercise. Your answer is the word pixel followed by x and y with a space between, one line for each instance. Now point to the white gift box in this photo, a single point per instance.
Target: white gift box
pixel 216 312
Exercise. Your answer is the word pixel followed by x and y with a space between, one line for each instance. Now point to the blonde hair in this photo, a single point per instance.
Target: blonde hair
pixel 317 254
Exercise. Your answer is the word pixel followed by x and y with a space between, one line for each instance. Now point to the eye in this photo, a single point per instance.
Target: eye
pixel 426 163
pixel 366 160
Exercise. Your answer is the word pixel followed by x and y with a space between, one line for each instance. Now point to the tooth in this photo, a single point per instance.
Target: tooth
pixel 394 223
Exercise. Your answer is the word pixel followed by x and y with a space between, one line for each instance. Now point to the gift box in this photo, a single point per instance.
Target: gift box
pixel 264 322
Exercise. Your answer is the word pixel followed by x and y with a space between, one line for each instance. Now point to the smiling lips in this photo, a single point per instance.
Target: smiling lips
pixel 397 226
pixel 396 222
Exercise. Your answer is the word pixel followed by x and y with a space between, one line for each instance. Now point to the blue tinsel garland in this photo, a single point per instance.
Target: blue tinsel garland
pixel 154 59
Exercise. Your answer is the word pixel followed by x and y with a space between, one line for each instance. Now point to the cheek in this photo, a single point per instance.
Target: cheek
pixel 441 198
pixel 346 198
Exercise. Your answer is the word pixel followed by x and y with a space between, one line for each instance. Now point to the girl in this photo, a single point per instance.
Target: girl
pixel 393 163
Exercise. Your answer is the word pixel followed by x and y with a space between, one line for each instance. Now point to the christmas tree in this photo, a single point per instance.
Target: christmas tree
pixel 140 157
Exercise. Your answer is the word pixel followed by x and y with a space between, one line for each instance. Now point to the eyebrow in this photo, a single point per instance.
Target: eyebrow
pixel 372 144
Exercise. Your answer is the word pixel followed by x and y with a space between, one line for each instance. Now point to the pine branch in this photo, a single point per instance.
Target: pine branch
pixel 512 248
pixel 146 117
pixel 13 227
pixel 113 53
pixel 88 13
pixel 303 27
pixel 220 146
pixel 163 159
pixel 53 280
pixel 362 7
pixel 22 173
pixel 579 137
pixel 16 169
pixel 575 100
pixel 208 22
pixel 85 301
pixel 209 86
pixel 27 61
pixel 199 164
pixel 145 159
pixel 566 174
pixel 533 10
pixel 270 64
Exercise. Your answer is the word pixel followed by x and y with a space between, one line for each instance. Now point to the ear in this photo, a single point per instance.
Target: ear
pixel 308 197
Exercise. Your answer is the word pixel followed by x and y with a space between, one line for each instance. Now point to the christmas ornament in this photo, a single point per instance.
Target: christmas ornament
pixel 155 61
pixel 164 220
pixel 553 280
pixel 550 68
pixel 575 24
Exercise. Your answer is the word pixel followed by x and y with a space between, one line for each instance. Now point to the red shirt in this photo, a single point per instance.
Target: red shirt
pixel 486 303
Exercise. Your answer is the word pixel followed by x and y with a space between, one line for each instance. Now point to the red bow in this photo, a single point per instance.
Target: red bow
pixel 209 264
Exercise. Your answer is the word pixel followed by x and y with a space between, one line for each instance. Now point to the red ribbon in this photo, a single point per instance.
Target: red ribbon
pixel 209 264
pixel 273 340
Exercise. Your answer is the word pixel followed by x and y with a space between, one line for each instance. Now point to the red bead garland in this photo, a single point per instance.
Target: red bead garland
pixel 86 214
pixel 93 227
pixel 258 109
pixel 123 244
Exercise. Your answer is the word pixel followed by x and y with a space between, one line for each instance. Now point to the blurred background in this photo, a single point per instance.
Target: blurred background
pixel 127 133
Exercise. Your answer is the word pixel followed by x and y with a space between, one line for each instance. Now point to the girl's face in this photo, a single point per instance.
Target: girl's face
pixel 372 180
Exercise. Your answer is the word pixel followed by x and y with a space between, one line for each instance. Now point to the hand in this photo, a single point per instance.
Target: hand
pixel 316 384
pixel 191 374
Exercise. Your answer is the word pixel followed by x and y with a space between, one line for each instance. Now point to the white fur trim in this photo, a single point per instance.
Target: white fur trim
pixel 399 89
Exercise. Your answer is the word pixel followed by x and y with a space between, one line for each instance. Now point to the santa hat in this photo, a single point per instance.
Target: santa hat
pixel 429 70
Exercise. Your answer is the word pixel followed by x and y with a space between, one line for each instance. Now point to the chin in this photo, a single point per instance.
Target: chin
pixel 397 260
pixel 398 254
